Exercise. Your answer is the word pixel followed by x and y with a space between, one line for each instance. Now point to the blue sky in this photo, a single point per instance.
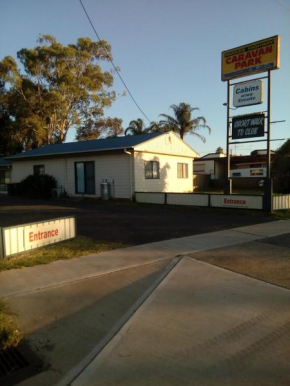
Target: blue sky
pixel 168 51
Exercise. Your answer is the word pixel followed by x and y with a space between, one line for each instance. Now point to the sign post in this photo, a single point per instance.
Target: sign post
pixel 247 60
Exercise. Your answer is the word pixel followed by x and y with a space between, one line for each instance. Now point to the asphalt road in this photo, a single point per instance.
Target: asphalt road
pixel 128 223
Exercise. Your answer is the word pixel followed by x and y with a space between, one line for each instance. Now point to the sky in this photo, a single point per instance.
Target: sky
pixel 169 52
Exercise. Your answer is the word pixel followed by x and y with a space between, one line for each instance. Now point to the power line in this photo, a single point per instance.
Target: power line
pixel 115 68
pixel 282 5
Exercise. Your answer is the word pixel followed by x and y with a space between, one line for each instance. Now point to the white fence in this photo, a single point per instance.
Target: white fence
pixel 195 199
pixel 187 199
pixel 281 201
pixel 151 198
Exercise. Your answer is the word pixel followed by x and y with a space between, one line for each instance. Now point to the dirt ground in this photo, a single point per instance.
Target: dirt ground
pixel 128 223
pixel 267 259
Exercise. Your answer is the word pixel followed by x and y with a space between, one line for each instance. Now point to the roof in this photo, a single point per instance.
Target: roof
pixel 5 162
pixel 125 142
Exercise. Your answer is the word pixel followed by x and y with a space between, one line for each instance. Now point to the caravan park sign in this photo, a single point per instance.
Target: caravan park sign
pixel 252 58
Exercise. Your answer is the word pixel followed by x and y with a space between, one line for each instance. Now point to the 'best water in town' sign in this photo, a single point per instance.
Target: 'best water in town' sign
pixel 248 126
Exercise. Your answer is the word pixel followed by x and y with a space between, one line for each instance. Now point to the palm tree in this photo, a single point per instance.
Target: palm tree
pixel 183 123
pixel 136 127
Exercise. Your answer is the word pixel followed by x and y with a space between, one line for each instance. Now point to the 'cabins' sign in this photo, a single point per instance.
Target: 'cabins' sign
pixel 248 93
pixel 252 58
pixel 25 237
pixel 248 126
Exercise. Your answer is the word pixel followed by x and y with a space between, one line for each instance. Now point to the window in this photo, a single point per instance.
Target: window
pixel 38 170
pixel 85 177
pixel 4 180
pixel 257 172
pixel 182 170
pixel 151 170
pixel 236 174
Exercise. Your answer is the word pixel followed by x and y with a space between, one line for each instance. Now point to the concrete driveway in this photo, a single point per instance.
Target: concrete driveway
pixel 128 223
pixel 152 315
pixel 202 326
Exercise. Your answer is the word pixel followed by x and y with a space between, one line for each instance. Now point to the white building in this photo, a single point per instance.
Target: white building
pixel 155 162
pixel 209 165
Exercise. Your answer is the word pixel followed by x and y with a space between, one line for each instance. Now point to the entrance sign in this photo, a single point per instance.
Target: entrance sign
pixel 25 237
pixel 248 126
pixel 253 58
pixel 248 93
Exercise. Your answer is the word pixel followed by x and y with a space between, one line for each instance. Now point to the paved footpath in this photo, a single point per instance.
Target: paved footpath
pixel 202 326
pixel 196 324
pixel 25 280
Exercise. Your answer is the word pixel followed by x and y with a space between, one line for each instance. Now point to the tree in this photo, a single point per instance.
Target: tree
pixel 62 86
pixel 183 123
pixel 280 169
pixel 108 127
pixel 219 150
pixel 137 127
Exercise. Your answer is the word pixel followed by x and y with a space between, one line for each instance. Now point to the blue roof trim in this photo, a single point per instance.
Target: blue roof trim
pixel 88 146
pixel 5 162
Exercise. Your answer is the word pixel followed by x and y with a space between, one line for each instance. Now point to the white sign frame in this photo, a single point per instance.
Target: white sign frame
pixel 248 93
pixel 23 238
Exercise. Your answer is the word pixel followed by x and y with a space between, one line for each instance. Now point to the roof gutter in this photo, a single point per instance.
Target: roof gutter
pixel 14 158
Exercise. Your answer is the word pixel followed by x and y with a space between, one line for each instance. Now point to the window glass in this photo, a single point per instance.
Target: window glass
pixel 80 177
pixel 90 177
pixel 182 170
pixel 38 170
pixel 151 169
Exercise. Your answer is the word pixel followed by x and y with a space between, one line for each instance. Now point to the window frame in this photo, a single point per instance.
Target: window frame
pixel 37 172
pixel 149 168
pixel 183 173
pixel 85 178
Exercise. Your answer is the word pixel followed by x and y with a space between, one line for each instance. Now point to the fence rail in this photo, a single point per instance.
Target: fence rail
pixel 280 202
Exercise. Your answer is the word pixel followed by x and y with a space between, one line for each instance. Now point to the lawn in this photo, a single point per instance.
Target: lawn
pixel 80 246
pixel 9 334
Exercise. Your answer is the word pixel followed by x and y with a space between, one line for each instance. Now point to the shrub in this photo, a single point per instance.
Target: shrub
pixel 280 169
pixel 37 186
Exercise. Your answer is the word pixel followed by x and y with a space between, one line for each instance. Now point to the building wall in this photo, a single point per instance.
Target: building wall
pixel 115 168
pixel 170 143
pixel 204 167
pixel 54 167
pixel 168 181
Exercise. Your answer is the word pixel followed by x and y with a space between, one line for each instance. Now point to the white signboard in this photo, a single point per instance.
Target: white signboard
pixel 248 93
pixel 25 237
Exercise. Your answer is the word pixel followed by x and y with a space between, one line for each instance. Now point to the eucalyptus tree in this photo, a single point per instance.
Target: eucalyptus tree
pixel 183 123
pixel 103 127
pixel 61 87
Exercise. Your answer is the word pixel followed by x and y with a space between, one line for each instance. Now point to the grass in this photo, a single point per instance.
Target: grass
pixel 80 246
pixel 9 334
pixel 282 214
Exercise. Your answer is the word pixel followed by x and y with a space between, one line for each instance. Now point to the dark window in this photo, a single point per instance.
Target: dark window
pixel 85 177
pixel 257 172
pixel 151 170
pixel 236 174
pixel 182 170
pixel 38 170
